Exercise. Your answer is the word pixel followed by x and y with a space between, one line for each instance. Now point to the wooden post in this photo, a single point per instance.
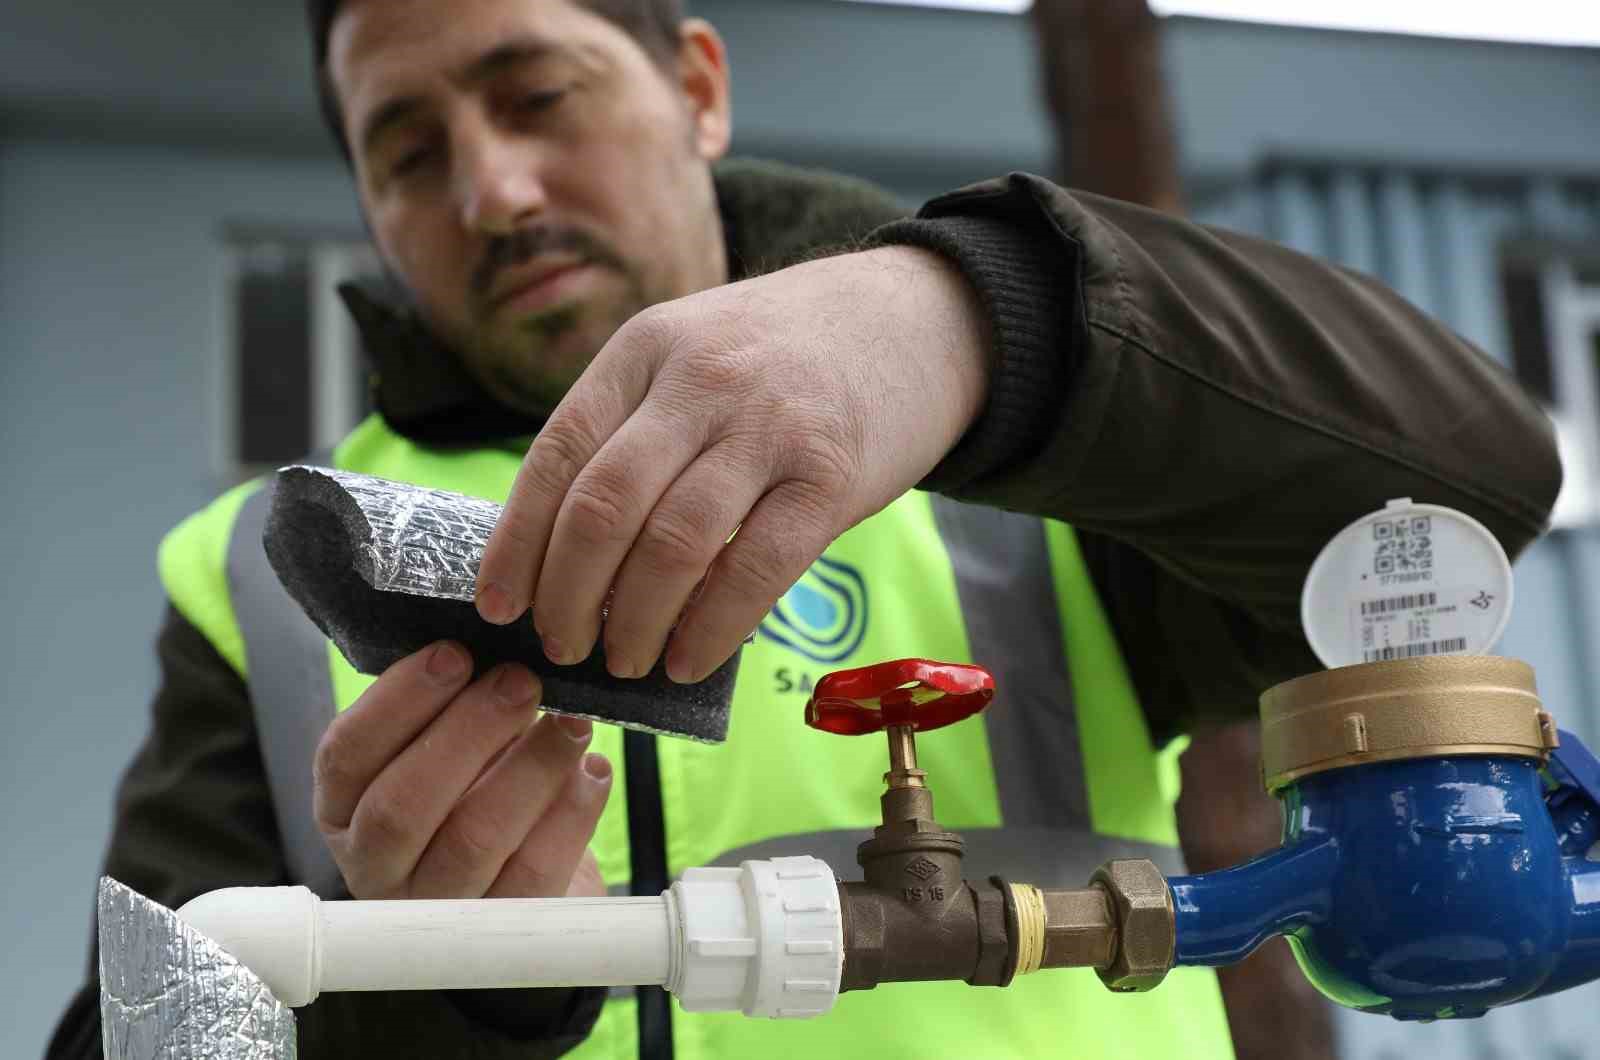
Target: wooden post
pixel 1101 68
pixel 1225 818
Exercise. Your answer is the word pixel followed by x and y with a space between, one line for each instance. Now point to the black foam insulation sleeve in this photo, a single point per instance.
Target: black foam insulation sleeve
pixel 326 535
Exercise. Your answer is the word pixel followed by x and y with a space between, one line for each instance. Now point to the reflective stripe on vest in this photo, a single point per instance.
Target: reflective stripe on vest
pixel 291 691
pixel 1002 572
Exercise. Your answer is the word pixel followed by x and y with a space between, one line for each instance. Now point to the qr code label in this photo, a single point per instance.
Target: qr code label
pixel 1403 549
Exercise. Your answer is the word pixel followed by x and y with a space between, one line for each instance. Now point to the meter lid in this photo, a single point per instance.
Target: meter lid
pixel 1405 581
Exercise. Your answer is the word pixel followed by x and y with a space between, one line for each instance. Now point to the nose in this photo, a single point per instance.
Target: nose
pixel 497 181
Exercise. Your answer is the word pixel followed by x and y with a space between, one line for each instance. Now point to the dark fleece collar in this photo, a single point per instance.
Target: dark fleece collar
pixel 772 216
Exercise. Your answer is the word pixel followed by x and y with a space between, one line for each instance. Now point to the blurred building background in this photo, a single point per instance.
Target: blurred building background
pixel 171 214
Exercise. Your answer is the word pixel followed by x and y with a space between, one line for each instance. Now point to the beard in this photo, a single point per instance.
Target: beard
pixel 530 361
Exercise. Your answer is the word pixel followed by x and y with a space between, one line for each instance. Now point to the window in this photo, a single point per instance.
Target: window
pixel 294 380
pixel 1552 298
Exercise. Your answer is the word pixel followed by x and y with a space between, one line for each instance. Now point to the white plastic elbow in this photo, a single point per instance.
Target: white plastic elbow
pixel 270 930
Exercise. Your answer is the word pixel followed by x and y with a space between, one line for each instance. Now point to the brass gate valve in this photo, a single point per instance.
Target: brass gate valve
pixel 912 865
pixel 901 698
pixel 915 917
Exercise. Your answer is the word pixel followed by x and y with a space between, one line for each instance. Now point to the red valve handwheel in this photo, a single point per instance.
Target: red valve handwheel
pixel 916 692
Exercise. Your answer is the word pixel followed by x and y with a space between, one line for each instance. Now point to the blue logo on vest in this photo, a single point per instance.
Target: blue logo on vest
pixel 823 616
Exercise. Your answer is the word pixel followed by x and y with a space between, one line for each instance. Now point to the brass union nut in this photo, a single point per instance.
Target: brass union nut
pixel 1147 931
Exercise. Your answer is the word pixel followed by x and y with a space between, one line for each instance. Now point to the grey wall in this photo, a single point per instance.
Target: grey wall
pixel 127 142
pixel 1246 91
pixel 919 98
pixel 109 336
pixel 925 99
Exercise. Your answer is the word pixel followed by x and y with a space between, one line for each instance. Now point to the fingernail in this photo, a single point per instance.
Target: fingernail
pixel 445 663
pixel 514 685
pixel 494 603
pixel 554 651
pixel 619 666
pixel 597 766
pixel 578 730
pixel 678 668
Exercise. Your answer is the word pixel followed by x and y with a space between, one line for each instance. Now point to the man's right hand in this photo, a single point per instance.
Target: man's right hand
pixel 433 787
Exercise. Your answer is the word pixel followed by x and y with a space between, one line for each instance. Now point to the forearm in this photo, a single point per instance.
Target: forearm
pixel 1225 405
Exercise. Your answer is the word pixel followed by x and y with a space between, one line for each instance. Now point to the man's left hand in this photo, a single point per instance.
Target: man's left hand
pixel 788 407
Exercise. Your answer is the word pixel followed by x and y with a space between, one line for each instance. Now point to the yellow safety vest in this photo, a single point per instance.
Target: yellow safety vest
pixel 1057 776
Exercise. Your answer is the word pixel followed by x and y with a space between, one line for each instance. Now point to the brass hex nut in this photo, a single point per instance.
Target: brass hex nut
pixel 994 943
pixel 1147 932
pixel 1080 929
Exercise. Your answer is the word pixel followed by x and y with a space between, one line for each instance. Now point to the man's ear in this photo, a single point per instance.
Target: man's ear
pixel 703 78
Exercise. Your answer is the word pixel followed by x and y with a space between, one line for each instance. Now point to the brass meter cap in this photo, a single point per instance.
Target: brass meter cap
pixel 1411 708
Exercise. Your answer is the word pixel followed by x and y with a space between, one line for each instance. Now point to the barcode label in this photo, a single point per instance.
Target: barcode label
pixel 1411 651
pixel 1399 603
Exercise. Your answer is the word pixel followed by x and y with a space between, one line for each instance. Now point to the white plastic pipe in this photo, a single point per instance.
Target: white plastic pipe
pixel 513 942
pixel 301 946
pixel 765 939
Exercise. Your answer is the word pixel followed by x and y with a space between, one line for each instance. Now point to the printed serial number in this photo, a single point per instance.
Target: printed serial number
pixel 1413 576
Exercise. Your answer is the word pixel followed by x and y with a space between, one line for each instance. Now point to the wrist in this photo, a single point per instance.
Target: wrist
pixel 942 311
pixel 1023 276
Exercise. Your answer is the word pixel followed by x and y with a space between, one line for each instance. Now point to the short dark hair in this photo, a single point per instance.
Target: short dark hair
pixel 653 23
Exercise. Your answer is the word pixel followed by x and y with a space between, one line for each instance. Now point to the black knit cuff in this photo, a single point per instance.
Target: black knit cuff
pixel 558 1018
pixel 1023 275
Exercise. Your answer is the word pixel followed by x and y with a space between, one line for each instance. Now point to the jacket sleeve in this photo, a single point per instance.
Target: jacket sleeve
pixel 1208 410
pixel 194 813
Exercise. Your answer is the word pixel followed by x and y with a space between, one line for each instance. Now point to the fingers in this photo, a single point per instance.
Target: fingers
pixel 784 533
pixel 680 538
pixel 553 858
pixel 536 785
pixel 636 481
pixel 431 787
pixel 604 510
pixel 363 740
pixel 594 408
pixel 402 808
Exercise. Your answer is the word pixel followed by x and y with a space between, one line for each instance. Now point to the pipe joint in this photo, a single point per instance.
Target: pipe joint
pixel 1146 924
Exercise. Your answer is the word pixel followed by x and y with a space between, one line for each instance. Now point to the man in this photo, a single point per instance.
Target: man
pixel 1204 409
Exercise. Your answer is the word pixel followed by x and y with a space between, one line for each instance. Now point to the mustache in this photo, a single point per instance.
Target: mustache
pixel 525 244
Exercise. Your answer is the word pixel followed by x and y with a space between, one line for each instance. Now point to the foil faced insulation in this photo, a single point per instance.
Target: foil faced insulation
pixel 386 568
pixel 167 992
pixel 418 541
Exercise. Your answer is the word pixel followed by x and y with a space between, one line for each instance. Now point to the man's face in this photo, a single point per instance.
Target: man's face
pixel 531 174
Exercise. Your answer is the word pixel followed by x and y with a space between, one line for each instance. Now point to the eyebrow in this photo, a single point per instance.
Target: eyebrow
pixel 516 52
